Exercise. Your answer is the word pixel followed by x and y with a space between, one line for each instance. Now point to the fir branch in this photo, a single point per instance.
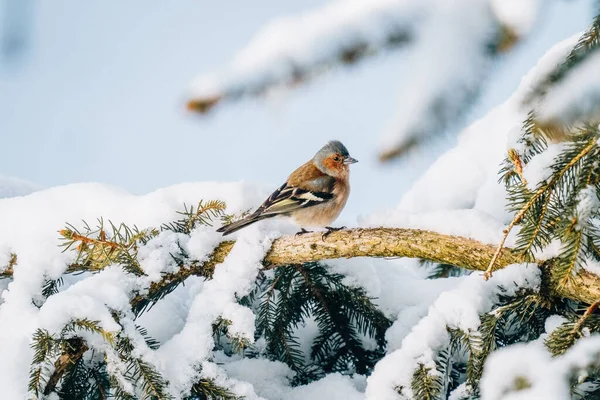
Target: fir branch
pixel 207 389
pixel 96 250
pixel 341 313
pixel 171 281
pixel 425 384
pixel 73 351
pixel 583 148
pixel 75 384
pixel 99 383
pixel 203 214
pixel 51 287
pixel 517 164
pixel 515 319
pixel 565 336
pixel 148 380
pixel 284 307
pixel 587 44
pixel 45 347
pixel 438 271
pixel 88 326
pixel 348 54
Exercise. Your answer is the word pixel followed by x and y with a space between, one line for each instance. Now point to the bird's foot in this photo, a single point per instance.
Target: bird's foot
pixel 330 230
pixel 302 232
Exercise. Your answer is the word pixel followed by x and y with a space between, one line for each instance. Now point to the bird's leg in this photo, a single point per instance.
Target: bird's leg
pixel 329 230
pixel 302 232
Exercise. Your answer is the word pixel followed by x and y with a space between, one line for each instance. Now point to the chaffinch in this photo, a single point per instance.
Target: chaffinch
pixel 313 195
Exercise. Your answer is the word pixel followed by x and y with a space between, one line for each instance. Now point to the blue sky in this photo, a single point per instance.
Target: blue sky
pixel 100 93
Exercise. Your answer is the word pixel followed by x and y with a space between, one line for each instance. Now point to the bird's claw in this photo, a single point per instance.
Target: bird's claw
pixel 330 230
pixel 302 232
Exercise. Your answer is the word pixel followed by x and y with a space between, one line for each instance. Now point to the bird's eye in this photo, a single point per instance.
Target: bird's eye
pixel 337 158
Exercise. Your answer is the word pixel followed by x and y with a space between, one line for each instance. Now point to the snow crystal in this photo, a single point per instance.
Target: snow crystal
pixel 218 375
pixel 460 393
pixel 269 378
pixel 155 258
pixel 592 266
pixel 90 298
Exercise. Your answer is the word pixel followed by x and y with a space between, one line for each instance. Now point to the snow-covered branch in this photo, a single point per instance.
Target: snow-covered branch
pixel 349 243
pixel 378 242
pixel 570 95
pixel 291 51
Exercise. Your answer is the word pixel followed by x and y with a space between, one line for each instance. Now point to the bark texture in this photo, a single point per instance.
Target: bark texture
pixel 380 242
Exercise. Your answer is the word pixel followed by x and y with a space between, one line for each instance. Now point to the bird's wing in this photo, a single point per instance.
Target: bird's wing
pixel 289 198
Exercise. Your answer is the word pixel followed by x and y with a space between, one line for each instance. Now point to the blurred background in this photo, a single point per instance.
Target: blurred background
pixel 96 91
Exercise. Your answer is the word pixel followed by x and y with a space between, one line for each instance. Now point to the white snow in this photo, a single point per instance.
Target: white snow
pixel 459 195
pixel 457 308
pixel 587 206
pixel 518 15
pixel 308 40
pixel 548 377
pixel 13 187
pixel 576 97
pixel 440 84
pixel 467 174
pixel 473 224
pixel 29 230
pixel 538 169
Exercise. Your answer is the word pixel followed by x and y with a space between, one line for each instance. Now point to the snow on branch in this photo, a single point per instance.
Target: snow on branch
pixel 542 376
pixel 291 51
pixel 576 97
pixel 453 317
pixel 375 242
pixel 570 95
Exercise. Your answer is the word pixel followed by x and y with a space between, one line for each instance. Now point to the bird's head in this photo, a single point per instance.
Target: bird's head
pixel 334 159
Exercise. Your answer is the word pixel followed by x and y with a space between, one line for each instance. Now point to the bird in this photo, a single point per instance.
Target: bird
pixel 314 194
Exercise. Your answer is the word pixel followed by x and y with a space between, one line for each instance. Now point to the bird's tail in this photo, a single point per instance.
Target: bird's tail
pixel 242 223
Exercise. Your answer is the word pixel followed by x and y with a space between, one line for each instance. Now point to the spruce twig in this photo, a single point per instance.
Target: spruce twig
pixel 591 145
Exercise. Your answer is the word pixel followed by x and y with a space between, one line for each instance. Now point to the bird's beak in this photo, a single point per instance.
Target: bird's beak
pixel 350 160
